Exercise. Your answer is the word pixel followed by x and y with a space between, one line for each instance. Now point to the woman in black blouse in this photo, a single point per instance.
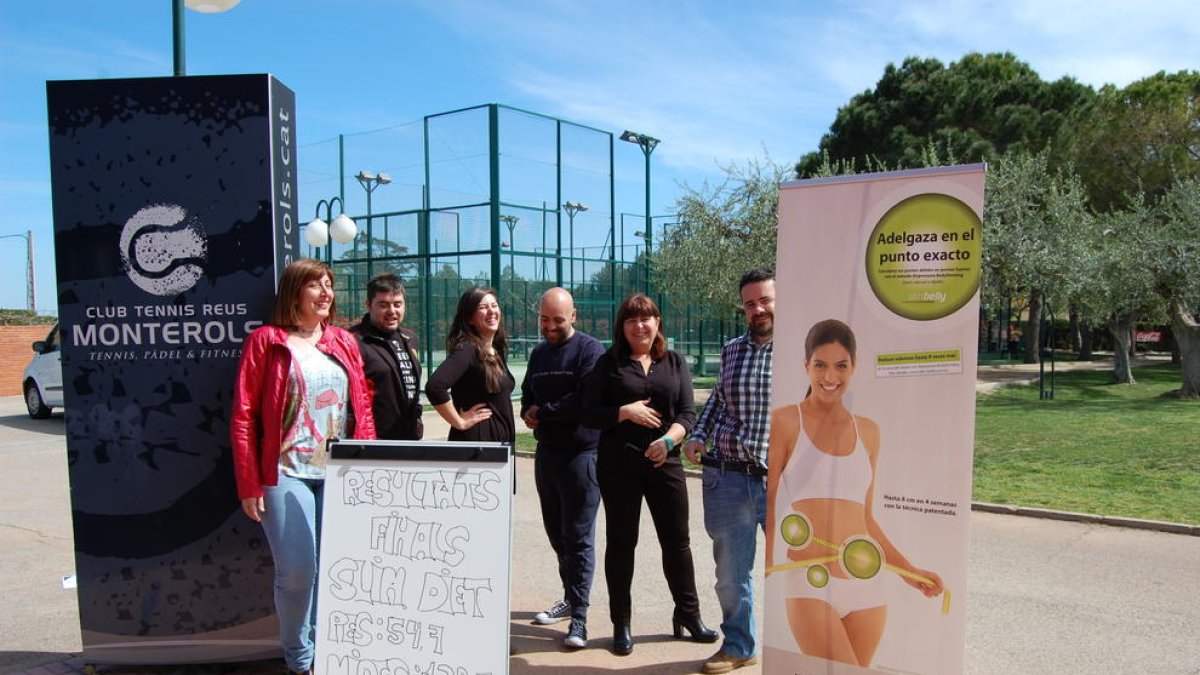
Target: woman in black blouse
pixel 472 389
pixel 640 397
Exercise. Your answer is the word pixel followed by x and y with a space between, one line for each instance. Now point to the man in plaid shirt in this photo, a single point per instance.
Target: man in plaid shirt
pixel 735 422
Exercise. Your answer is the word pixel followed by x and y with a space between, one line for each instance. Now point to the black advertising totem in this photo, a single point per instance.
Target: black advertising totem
pixel 174 214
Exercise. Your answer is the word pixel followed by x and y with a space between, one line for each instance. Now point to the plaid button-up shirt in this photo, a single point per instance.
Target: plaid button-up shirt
pixel 736 420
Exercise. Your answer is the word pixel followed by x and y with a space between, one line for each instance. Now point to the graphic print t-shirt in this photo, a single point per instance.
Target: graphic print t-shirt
pixel 315 412
pixel 405 359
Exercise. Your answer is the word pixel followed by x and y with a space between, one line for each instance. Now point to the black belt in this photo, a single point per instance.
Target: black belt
pixel 747 468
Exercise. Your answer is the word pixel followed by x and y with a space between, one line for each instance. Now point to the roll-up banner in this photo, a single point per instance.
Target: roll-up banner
pixel 872 428
pixel 415 555
pixel 173 217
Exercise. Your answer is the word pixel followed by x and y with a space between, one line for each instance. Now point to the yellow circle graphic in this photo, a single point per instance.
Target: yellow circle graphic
pixel 862 558
pixel 923 260
pixel 795 530
pixel 818 576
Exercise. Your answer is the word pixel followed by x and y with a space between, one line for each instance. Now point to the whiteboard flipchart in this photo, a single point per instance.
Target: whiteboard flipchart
pixel 414 567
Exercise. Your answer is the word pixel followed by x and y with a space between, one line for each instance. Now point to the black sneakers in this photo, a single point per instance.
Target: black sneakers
pixel 559 612
pixel 577 635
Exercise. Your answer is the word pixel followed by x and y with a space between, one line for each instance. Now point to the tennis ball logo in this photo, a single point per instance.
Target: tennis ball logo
pixel 162 250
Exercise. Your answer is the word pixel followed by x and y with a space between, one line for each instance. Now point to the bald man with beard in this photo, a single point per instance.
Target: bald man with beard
pixel 565 464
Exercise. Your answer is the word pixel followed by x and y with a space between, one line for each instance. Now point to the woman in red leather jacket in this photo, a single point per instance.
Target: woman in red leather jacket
pixel 300 384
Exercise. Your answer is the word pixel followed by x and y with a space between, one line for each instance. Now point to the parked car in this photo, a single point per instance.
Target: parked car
pixel 43 377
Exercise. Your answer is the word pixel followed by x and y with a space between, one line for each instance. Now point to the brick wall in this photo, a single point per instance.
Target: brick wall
pixel 15 354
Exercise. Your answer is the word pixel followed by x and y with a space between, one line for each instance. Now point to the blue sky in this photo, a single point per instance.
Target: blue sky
pixel 718 82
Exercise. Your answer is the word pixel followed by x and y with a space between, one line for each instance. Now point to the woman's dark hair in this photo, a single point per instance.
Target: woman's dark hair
pixel 638 305
pixel 827 332
pixel 295 277
pixel 463 333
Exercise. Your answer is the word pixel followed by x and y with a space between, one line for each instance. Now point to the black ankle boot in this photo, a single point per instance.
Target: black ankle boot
pixel 695 627
pixel 622 639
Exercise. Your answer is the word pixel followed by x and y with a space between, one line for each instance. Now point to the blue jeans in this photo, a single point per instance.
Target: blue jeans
pixel 735 507
pixel 292 523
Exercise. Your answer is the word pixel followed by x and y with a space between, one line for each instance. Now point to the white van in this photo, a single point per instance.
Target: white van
pixel 43 377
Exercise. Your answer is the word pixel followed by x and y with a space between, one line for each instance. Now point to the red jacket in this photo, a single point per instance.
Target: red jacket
pixel 256 424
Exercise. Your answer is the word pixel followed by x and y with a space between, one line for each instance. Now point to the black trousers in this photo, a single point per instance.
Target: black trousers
pixel 626 477
pixel 570 497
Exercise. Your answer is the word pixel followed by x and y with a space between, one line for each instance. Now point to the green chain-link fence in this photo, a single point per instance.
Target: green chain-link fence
pixel 500 197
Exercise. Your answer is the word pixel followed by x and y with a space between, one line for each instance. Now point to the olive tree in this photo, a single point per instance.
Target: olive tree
pixel 1117 286
pixel 1176 268
pixel 722 231
pixel 1143 140
pixel 1035 224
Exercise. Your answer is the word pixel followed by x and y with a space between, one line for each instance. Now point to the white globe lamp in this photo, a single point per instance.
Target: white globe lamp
pixel 343 229
pixel 316 233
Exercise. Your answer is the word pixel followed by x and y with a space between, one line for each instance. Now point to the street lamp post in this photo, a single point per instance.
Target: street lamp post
pixel 319 230
pixel 177 38
pixel 177 25
pixel 30 300
pixel 645 259
pixel 647 143
pixel 511 222
pixel 370 182
pixel 573 208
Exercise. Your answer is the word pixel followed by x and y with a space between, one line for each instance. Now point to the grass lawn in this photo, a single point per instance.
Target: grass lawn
pixel 1096 448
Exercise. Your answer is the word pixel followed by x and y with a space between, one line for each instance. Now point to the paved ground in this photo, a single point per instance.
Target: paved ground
pixel 1043 596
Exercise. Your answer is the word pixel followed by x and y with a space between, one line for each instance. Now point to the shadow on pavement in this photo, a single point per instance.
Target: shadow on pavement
pixel 54 426
pixel 660 668
pixel 43 663
pixel 531 642
pixel 272 666
pixel 12 661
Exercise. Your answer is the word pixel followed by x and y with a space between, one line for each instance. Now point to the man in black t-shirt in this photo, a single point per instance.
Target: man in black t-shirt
pixel 389 353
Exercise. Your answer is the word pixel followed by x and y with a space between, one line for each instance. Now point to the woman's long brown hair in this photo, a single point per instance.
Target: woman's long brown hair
pixel 463 333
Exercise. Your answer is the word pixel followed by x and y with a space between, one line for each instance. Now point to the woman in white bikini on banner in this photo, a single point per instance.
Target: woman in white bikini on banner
pixel 821 531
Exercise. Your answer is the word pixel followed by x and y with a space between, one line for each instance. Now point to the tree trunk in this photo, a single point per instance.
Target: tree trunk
pixel 1074 339
pixel 1033 327
pixel 1120 326
pixel 1187 337
pixel 1085 342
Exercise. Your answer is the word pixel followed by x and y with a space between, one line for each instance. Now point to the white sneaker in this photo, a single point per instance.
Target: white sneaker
pixel 559 612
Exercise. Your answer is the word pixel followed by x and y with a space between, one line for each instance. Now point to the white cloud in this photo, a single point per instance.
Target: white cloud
pixel 699 80
pixel 718 83
pixel 1096 42
pixel 92 55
